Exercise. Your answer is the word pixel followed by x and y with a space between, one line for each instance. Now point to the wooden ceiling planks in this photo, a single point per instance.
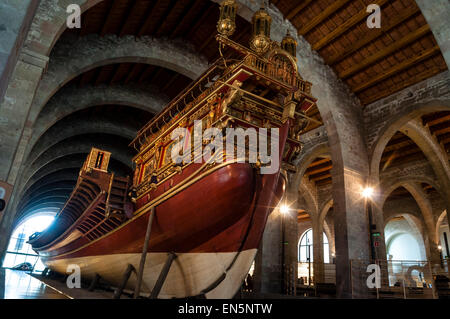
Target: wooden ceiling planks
pixel 373 62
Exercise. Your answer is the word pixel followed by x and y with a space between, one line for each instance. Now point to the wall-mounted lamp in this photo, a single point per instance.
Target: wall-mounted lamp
pixel 367 192
pixel 284 209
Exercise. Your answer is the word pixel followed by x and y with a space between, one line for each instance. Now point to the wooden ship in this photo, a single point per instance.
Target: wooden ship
pixel 190 228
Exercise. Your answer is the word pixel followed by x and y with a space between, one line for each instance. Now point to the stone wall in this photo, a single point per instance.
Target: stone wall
pixel 15 20
pixel 378 115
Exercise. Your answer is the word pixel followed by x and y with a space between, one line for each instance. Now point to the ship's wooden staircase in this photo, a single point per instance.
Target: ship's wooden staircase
pixel 109 213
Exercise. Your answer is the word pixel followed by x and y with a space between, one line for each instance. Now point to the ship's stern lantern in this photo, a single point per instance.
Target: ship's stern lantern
pixel 97 160
pixel 227 20
pixel 289 44
pixel 261 22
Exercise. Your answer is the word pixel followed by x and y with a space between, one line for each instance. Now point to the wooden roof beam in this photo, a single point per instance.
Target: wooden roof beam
pixel 149 19
pixel 320 176
pixel 441 130
pixel 397 45
pixel 322 16
pixel 132 73
pixel 324 182
pixel 156 74
pixel 408 159
pixel 390 156
pixel 373 35
pixel 164 19
pixel 397 68
pixel 130 12
pixel 116 71
pixel 109 17
pixel 186 14
pixel 297 9
pixel 148 70
pixel 397 87
pixel 440 119
pixel 319 161
pixel 343 27
pixel 319 169
pixel 201 20
pixel 99 75
pixel 169 83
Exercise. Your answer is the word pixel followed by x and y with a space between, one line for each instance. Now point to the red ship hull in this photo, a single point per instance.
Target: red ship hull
pixel 216 223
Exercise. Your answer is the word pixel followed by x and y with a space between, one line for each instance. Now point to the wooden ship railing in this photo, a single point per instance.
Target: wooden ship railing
pixel 95 206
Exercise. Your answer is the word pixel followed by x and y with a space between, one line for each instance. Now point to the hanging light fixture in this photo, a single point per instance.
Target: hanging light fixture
pixel 227 20
pixel 289 44
pixel 261 22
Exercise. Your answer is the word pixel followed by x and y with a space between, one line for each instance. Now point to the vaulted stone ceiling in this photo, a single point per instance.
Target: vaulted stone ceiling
pixel 130 57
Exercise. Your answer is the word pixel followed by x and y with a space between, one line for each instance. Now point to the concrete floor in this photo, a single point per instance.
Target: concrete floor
pixel 21 285
pixel 16 284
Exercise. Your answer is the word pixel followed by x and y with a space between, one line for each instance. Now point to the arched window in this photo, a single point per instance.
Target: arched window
pixel 19 252
pixel 305 248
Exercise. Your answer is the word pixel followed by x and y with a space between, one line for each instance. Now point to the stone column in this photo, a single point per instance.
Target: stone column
pixel 268 260
pixel 290 221
pixel 380 251
pixel 436 13
pixel 14 126
pixel 351 233
pixel 14 111
pixel 15 20
pixel 317 229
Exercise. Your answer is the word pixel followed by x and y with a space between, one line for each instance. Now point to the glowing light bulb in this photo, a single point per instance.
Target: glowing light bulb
pixel 367 192
pixel 284 209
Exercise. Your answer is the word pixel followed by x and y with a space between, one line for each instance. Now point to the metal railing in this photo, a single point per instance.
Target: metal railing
pixel 399 279
pixel 305 273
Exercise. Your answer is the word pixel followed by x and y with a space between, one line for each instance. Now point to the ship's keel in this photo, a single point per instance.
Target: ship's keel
pixel 213 275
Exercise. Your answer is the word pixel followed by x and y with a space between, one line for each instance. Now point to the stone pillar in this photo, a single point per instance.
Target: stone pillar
pixel 268 263
pixel 14 126
pixel 290 221
pixel 318 263
pixel 436 13
pixel 271 271
pixel 15 20
pixel 434 253
pixel 380 251
pixel 14 111
pixel 351 233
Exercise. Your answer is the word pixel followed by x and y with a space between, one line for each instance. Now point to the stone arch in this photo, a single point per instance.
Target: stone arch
pixel 395 124
pixel 325 209
pixel 309 198
pixel 326 228
pixel 62 131
pixel 423 203
pixel 82 145
pixel 71 99
pixel 439 221
pixel 65 184
pixel 390 185
pixel 72 161
pixel 436 155
pixel 417 228
pixel 69 60
pixel 307 158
